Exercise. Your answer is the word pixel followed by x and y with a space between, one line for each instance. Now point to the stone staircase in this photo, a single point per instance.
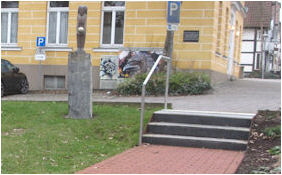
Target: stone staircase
pixel 218 130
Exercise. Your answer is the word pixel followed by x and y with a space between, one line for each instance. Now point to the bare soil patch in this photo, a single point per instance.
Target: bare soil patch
pixel 14 132
pixel 263 153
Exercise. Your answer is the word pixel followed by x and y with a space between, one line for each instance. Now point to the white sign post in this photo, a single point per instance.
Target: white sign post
pixel 172 27
pixel 40 54
pixel 40 57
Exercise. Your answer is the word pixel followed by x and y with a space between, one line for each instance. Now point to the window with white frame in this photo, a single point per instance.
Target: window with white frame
pixel 58 13
pixel 257 62
pixel 112 23
pixel 9 22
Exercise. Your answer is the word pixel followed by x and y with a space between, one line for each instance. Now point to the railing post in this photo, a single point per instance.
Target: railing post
pixel 142 113
pixel 144 91
pixel 167 82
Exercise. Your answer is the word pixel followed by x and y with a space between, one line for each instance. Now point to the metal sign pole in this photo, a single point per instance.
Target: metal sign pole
pixel 38 52
pixel 173 19
pixel 40 75
pixel 40 55
pixel 169 46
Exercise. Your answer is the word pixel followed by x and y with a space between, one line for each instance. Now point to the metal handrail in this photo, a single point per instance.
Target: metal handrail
pixel 168 59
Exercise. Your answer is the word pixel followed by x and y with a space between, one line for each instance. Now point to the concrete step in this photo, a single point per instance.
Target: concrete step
pixel 203 118
pixel 190 141
pixel 198 130
pixel 219 130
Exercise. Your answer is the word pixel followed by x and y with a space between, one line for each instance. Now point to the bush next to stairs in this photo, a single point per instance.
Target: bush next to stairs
pixel 180 83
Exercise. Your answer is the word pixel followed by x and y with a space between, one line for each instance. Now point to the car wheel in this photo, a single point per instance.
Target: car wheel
pixel 24 86
pixel 2 89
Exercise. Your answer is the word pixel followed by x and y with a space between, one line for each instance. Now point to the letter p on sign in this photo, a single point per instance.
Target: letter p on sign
pixel 40 41
pixel 173 12
pixel 173 7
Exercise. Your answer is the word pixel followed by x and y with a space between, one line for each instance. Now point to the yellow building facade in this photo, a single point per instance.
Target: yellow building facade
pixel 119 26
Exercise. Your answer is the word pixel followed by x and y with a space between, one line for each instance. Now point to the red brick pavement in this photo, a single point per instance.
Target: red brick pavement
pixel 155 159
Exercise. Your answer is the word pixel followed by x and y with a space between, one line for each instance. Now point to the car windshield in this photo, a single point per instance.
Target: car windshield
pixel 6 66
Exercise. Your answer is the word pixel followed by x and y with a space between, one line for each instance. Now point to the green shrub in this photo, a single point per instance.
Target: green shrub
pixel 273 132
pixel 261 170
pixel 131 86
pixel 275 150
pixel 180 83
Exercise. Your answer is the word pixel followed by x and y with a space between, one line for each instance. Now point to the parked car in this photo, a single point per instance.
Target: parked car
pixel 12 81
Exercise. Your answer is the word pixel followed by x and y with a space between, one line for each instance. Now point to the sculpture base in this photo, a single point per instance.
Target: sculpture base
pixel 79 85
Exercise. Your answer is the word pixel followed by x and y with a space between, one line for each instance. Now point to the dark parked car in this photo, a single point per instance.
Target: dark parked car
pixel 12 81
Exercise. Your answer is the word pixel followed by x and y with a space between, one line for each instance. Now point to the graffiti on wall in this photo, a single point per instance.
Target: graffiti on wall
pixel 109 67
pixel 127 64
pixel 134 62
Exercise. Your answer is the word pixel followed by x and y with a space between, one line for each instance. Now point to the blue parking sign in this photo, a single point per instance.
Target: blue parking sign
pixel 40 41
pixel 173 12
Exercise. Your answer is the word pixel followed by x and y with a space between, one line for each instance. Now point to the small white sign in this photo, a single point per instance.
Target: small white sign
pixel 40 57
pixel 172 27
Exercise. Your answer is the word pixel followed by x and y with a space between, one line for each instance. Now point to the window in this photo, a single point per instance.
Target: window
pixel 58 12
pixel 54 82
pixel 258 35
pixel 112 23
pixel 9 22
pixel 257 61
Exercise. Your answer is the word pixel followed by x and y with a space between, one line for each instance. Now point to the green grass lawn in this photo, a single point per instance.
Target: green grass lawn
pixel 36 138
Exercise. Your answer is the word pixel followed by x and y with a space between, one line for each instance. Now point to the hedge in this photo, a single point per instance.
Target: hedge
pixel 180 83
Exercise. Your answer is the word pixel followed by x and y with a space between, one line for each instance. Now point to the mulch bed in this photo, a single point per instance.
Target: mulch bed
pixel 257 158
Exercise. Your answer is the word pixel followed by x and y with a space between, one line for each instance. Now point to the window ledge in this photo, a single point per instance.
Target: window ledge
pixel 152 49
pixel 59 49
pixel 7 47
pixel 101 49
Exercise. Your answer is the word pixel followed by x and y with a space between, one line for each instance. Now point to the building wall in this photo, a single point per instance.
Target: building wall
pixel 195 16
pixel 261 16
pixel 145 24
pixel 219 60
pixel 145 27
pixel 222 29
pixel 248 49
pixel 238 44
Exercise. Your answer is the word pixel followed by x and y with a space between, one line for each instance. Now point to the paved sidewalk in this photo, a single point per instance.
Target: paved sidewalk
pixel 154 159
pixel 243 96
